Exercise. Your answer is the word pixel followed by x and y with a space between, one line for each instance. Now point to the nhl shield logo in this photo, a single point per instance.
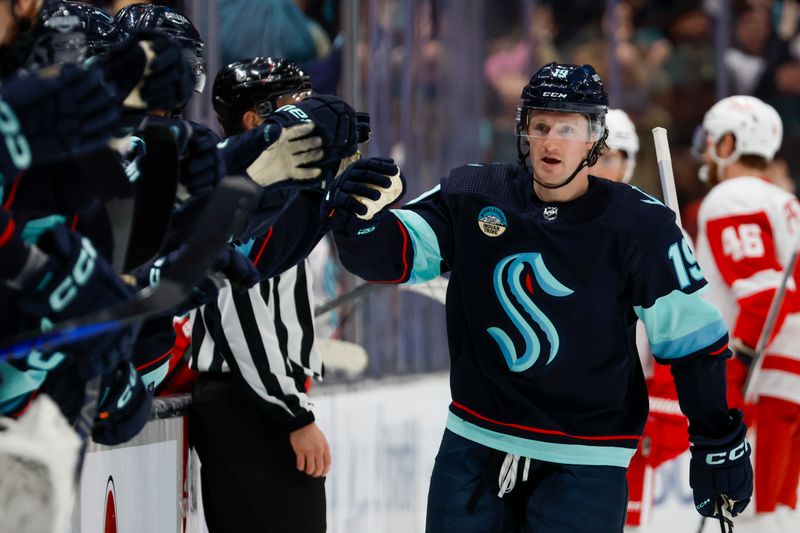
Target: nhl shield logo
pixel 492 221
pixel 550 213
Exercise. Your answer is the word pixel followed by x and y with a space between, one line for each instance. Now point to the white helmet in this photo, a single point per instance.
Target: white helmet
pixel 622 136
pixel 757 127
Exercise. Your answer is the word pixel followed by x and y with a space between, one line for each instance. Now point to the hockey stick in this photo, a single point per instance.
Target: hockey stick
pixel 664 159
pixel 769 327
pixel 436 289
pixel 231 202
pixel 342 355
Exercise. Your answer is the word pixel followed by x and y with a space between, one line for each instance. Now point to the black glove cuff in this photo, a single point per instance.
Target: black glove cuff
pixel 737 431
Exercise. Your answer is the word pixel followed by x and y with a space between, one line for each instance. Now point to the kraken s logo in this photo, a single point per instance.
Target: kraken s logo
pixel 513 283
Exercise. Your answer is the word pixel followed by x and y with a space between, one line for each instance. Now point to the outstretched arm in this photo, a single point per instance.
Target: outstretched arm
pixel 407 245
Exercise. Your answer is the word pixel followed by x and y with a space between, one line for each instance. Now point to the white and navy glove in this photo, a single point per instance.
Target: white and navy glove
pixel 293 152
pixel 720 472
pixel 362 190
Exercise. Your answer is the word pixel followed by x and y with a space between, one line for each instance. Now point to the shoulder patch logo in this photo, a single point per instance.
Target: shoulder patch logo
pixel 492 221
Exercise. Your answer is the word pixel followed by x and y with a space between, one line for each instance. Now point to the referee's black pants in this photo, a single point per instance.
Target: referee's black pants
pixel 250 483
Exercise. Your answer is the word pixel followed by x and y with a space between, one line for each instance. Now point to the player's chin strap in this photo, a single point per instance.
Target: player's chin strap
pixel 591 158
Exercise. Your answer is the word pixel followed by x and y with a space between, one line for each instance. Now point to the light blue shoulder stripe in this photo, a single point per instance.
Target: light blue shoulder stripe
pixel 427 257
pixel 426 194
pixel 17 383
pixel 678 324
pixel 697 340
pixel 570 454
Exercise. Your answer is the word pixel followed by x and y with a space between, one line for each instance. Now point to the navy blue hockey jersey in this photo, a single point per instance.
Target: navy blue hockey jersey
pixel 542 304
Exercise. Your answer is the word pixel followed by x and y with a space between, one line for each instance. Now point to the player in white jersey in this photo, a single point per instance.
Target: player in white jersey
pixel 747 231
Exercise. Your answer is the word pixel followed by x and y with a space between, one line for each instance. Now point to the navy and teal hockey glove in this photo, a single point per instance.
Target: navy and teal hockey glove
pixel 720 469
pixel 63 111
pixel 13 251
pixel 364 188
pixel 70 280
pixel 124 407
pixel 201 166
pixel 336 123
pixel 166 78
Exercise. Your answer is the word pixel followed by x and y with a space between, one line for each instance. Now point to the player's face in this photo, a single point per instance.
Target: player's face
pixel 611 165
pixel 559 142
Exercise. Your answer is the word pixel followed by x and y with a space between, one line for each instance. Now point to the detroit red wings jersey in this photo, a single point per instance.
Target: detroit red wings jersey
pixel 747 231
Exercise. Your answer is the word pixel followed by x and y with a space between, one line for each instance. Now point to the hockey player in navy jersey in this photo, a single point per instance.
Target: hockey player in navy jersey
pixel 549 269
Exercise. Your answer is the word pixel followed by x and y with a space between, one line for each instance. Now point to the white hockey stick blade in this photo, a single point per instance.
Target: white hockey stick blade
pixel 342 355
pixel 665 171
pixel 38 455
pixel 436 289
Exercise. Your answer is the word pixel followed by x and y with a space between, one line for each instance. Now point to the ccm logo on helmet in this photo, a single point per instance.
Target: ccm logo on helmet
pixel 554 95
pixel 732 455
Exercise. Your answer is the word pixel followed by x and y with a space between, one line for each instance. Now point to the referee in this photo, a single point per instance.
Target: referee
pixel 263 458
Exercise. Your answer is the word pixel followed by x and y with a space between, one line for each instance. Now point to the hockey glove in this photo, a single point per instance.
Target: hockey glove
pixel 363 128
pixel 720 468
pixel 153 64
pixel 293 154
pixel 13 252
pixel 365 188
pixel 337 124
pixel 63 110
pixel 124 407
pixel 201 166
pixel 71 281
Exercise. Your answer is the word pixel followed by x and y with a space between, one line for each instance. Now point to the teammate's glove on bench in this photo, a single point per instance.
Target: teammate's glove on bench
pixel 166 77
pixel 720 467
pixel 124 409
pixel 365 188
pixel 62 111
pixel 202 166
pixel 71 280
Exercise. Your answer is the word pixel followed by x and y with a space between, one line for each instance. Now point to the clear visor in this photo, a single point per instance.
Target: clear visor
pixel 564 127
pixel 58 48
pixel 699 141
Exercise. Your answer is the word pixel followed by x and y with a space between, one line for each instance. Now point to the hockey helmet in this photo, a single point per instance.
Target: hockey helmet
pixel 569 89
pixel 150 17
pixel 71 32
pixel 622 136
pixel 255 83
pixel 757 127
pixel 566 88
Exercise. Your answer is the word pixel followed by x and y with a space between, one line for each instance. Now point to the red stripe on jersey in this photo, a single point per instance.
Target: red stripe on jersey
pixel 404 276
pixel 777 362
pixel 752 315
pixel 12 194
pixel 263 245
pixel 546 431
pixel 743 246
pixel 8 231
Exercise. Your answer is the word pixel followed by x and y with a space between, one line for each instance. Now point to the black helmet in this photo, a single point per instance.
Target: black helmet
pixel 257 82
pixel 569 89
pixel 70 32
pixel 150 17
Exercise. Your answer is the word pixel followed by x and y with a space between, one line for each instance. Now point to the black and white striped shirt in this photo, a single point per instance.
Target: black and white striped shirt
pixel 265 336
